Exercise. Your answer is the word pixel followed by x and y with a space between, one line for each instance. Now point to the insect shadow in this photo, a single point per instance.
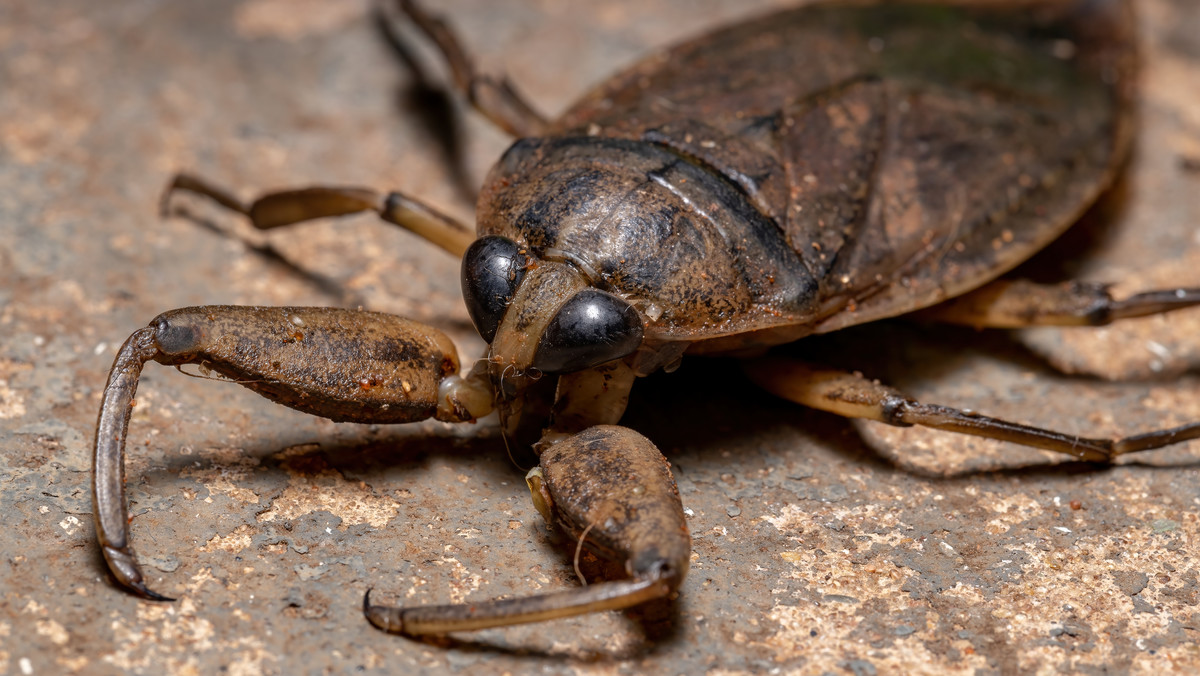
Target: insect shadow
pixel 425 99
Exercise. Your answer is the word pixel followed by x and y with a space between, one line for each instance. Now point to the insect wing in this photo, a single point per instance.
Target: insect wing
pixel 909 153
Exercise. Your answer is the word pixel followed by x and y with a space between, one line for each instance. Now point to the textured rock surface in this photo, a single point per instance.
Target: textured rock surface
pixel 820 545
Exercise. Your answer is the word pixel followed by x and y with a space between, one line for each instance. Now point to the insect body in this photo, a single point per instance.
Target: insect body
pixel 792 175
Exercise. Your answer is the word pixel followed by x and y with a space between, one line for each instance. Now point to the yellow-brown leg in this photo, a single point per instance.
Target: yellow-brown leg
pixel 853 396
pixel 1014 304
pixel 285 207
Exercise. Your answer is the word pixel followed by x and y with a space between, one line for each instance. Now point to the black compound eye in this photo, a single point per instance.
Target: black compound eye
pixel 591 328
pixel 492 269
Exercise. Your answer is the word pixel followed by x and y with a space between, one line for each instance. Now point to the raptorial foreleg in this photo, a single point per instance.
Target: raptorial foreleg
pixel 607 486
pixel 345 365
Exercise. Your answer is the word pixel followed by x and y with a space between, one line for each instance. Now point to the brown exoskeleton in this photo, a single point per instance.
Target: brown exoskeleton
pixel 792 175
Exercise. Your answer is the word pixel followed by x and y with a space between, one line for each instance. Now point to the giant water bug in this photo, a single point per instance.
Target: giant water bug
pixel 791 175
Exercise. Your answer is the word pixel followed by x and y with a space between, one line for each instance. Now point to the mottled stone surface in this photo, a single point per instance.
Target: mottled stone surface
pixel 820 545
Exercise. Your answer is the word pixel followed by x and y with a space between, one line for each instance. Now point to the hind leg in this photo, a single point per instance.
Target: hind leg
pixel 1014 304
pixel 496 99
pixel 853 396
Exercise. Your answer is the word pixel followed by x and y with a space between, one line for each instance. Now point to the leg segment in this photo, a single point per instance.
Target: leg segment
pixel 350 366
pixel 495 99
pixel 853 396
pixel 609 485
pixel 1013 304
pixel 286 207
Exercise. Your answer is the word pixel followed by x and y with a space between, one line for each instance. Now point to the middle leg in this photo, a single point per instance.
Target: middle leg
pixel 287 207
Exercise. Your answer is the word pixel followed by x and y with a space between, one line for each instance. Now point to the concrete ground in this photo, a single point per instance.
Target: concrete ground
pixel 821 546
